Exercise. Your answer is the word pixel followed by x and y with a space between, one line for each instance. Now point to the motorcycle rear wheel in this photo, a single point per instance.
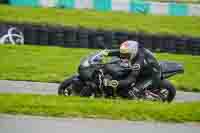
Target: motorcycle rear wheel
pixel 167 91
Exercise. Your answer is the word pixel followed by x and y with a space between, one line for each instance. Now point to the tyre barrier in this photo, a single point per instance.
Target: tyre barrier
pixel 43 37
pixel 56 36
pixel 31 34
pixel 194 46
pixel 83 37
pixel 70 37
pixel 3 1
pixel 91 38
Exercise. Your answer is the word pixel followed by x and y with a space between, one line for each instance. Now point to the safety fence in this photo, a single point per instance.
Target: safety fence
pixel 135 6
pixel 90 38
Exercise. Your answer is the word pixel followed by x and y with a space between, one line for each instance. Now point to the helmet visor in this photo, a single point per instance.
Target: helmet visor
pixel 125 55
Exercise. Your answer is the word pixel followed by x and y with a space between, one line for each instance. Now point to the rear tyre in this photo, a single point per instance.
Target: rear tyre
pixel 167 91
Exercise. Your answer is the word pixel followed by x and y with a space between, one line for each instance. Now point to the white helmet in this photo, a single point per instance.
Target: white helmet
pixel 129 49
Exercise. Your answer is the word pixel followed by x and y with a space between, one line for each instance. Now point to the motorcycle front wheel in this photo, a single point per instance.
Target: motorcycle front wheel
pixel 70 88
pixel 66 88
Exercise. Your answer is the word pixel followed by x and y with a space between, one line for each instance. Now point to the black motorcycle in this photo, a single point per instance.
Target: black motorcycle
pixel 74 85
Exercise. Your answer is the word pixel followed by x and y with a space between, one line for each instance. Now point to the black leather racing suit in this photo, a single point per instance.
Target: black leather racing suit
pixel 143 65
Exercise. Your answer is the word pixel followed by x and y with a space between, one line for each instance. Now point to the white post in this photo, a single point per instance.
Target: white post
pixel 121 5
pixel 48 3
pixel 84 4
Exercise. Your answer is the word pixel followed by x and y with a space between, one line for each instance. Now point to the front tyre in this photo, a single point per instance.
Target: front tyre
pixel 66 87
pixel 167 91
pixel 70 88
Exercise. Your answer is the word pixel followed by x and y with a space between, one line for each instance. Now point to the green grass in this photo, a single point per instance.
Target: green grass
pixel 54 64
pixel 36 63
pixel 185 25
pixel 99 108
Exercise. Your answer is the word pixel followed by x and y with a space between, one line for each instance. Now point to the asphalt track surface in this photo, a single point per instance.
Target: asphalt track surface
pixel 29 124
pixel 33 124
pixel 51 89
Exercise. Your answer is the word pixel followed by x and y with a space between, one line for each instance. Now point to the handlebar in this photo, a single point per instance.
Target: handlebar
pixel 99 64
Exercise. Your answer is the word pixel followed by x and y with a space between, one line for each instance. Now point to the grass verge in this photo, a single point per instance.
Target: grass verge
pixel 54 64
pixel 103 20
pixel 99 108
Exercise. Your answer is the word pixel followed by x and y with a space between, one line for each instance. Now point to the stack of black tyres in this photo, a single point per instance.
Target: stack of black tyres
pixel 108 39
pixel 83 37
pixel 145 40
pixel 31 33
pixel 96 39
pixel 133 36
pixel 70 37
pixel 169 43
pixel 3 1
pixel 59 36
pixel 43 36
pixel 157 43
pixel 181 44
pixel 194 46
pixel 56 36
